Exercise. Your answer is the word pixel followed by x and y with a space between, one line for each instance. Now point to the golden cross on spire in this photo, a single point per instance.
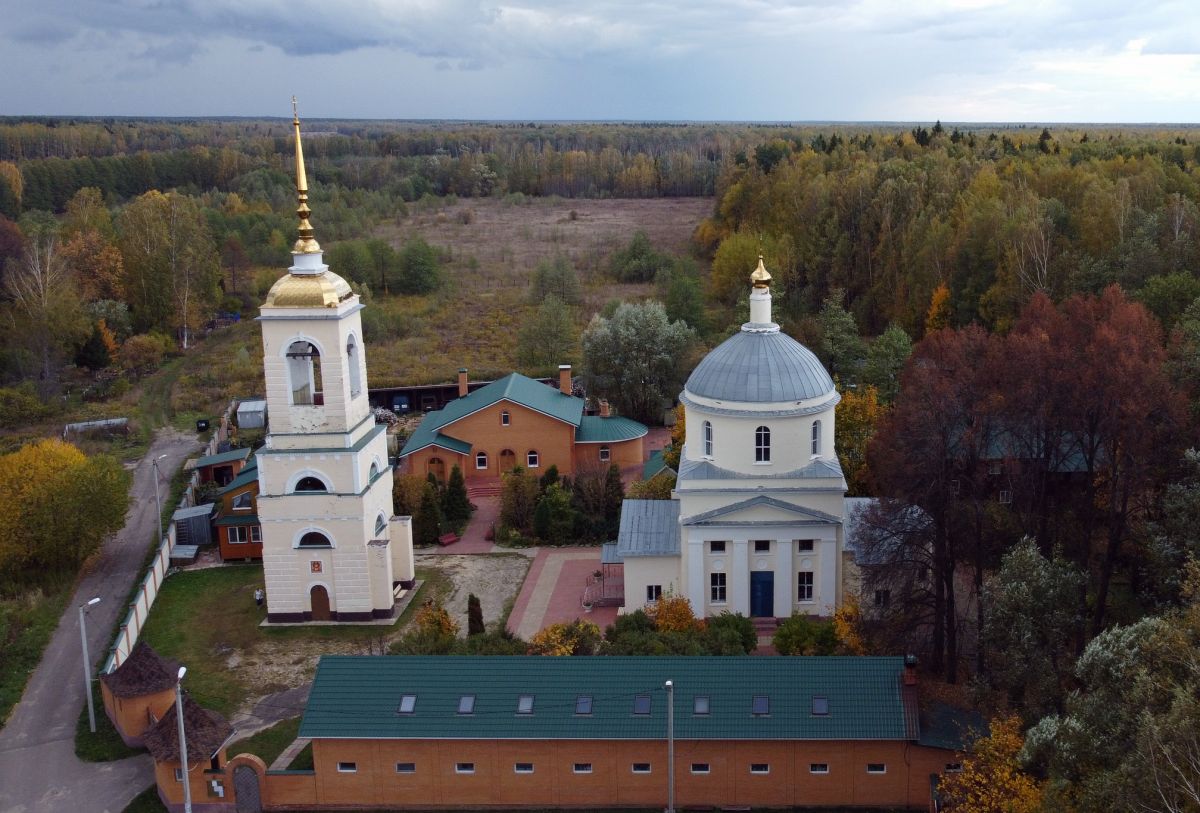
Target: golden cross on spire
pixel 306 244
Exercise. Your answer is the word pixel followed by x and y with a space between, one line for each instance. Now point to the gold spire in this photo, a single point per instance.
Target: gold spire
pixel 759 276
pixel 306 244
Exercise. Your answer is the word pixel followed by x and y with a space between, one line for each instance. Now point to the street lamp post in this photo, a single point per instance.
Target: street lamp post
pixel 670 746
pixel 158 500
pixel 87 664
pixel 183 757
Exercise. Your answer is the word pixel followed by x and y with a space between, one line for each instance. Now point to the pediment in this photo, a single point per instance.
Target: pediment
pixel 762 510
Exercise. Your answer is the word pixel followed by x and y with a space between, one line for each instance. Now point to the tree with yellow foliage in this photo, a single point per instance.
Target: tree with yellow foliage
pixel 938 315
pixel 59 505
pixel 576 637
pixel 857 414
pixel 847 625
pixel 674 613
pixel 991 780
pixel 672 453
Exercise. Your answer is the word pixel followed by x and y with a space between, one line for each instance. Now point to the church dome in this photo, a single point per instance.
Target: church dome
pixel 760 366
pixel 323 290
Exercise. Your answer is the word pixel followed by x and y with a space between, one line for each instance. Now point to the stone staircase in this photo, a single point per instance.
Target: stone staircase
pixel 483 490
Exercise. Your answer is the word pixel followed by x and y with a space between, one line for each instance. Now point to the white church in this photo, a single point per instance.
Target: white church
pixel 332 551
pixel 755 524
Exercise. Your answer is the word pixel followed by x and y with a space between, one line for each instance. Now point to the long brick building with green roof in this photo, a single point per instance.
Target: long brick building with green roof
pixel 518 421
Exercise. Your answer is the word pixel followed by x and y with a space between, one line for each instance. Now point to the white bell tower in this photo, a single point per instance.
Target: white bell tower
pixel 332 551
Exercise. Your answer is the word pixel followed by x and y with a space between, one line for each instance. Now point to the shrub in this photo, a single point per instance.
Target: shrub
pixel 638 261
pixel 577 637
pixel 475 624
pixel 19 405
pixel 801 635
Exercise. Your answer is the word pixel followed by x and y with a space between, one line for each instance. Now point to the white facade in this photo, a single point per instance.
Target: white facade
pixel 760 490
pixel 331 548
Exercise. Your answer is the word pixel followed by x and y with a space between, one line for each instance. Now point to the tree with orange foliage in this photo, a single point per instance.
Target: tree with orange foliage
pixel 938 315
pixel 674 613
pixel 991 780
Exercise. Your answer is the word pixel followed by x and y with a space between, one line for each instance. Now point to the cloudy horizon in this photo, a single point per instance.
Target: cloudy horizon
pixel 751 60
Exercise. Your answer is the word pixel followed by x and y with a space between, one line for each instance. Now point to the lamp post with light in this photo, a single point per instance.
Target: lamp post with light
pixel 87 663
pixel 183 757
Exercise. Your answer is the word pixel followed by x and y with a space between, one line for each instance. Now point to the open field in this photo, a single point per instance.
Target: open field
pixel 492 247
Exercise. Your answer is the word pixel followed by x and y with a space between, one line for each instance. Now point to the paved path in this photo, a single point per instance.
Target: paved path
pixel 553 591
pixel 38 767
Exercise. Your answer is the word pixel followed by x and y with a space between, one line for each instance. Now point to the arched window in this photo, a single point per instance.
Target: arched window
pixel 762 445
pixel 373 473
pixel 708 439
pixel 304 374
pixel 315 539
pixel 816 437
pixel 353 362
pixel 310 484
pixel 481 460
pixel 505 418
pixel 380 525
pixel 604 454
pixel 531 459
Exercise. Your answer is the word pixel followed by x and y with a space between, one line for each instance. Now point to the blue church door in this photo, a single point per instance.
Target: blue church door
pixel 762 594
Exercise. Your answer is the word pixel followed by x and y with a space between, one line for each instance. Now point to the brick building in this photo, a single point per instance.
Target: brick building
pixel 517 421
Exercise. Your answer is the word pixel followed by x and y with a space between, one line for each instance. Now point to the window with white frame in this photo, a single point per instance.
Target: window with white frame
pixel 716 583
pixel 876 767
pixel 243 502
pixel 653 592
pixel 353 363
pixel 481 460
pixel 640 767
pixel 582 767
pixel 816 437
pixel 464 767
pixel 347 767
pixel 179 774
pixel 531 459
pixel 700 767
pixel 241 534
pixel 505 418
pixel 708 439
pixel 818 767
pixel 762 445
pixel 604 454
pixel 380 525
pixel 523 767
pixel 406 767
pixel 760 768
pixel 804 586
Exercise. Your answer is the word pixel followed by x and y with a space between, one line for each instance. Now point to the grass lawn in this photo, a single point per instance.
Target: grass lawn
pixel 146 802
pixel 208 621
pixel 106 744
pixel 269 743
pixel 26 624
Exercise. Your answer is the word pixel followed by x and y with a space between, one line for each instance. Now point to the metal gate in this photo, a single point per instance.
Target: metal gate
pixel 246 789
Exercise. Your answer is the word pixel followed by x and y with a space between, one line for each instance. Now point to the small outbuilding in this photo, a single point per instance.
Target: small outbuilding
pixel 252 413
pixel 207 734
pixel 139 692
pixel 192 526
pixel 221 468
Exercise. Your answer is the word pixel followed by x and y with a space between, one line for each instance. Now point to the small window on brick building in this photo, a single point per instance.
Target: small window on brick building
pixel 505 418
pixel 523 767
pixel 347 767
pixel 876 767
pixel 406 767
pixel 641 767
pixel 604 454
pixel 700 767
pixel 818 767
pixel 582 767
pixel 760 768
pixel 464 767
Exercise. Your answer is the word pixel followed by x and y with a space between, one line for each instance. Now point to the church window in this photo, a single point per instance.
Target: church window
pixel 531 459
pixel 315 539
pixel 353 362
pixel 716 547
pixel 304 374
pixel 373 473
pixel 708 439
pixel 762 445
pixel 816 437
pixel 310 484
pixel 481 460
pixel 380 525
pixel 806 545
pixel 805 587
pixel 717 588
pixel 505 418
pixel 243 502
pixel 762 545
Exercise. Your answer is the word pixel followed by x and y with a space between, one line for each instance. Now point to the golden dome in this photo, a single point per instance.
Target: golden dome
pixel 323 290
pixel 760 277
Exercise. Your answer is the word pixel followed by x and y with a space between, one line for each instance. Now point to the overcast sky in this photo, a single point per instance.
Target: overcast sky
pixel 847 60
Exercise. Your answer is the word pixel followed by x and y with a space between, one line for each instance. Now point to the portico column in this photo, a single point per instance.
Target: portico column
pixel 827 575
pixel 785 575
pixel 739 578
pixel 694 578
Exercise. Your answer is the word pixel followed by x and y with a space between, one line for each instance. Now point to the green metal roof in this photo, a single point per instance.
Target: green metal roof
pixel 358 697
pixel 223 457
pixel 248 474
pixel 238 519
pixel 655 466
pixel 513 387
pixel 594 429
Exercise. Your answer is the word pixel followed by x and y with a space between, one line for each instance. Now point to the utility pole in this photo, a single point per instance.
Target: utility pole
pixel 670 746
pixel 183 757
pixel 158 502
pixel 87 664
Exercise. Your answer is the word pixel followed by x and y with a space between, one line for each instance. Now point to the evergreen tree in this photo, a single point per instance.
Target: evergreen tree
pixel 427 524
pixel 614 495
pixel 475 625
pixel 550 478
pixel 554 518
pixel 94 352
pixel 841 345
pixel 455 505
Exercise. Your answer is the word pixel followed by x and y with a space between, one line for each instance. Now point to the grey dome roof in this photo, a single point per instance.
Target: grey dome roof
pixel 760 367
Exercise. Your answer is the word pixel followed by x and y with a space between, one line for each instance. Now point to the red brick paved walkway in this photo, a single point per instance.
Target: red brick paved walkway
pixel 553 590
